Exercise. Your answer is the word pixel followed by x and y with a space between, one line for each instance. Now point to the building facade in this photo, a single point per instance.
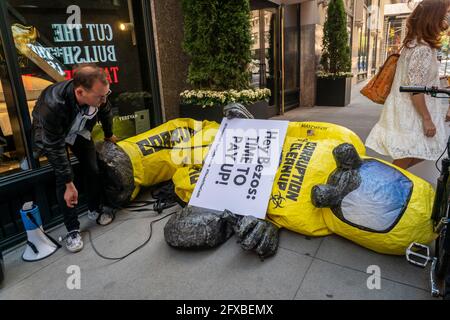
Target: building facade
pixel 286 50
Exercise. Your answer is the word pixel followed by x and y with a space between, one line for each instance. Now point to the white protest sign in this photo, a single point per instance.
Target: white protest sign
pixel 240 167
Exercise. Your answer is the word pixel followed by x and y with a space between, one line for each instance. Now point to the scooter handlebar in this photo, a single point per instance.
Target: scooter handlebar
pixel 433 91
pixel 415 89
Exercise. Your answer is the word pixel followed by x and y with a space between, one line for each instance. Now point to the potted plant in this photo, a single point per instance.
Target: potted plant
pixel 217 39
pixel 334 76
pixel 208 104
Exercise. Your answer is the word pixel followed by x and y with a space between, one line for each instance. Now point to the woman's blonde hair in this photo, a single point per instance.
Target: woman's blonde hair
pixel 425 22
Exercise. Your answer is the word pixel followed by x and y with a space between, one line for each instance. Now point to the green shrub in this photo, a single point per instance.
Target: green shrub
pixel 336 58
pixel 217 38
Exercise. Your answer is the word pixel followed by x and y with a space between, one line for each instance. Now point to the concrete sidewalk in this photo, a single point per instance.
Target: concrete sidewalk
pixel 303 268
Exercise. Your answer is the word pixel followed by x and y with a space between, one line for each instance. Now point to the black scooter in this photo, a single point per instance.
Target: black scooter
pixel 419 254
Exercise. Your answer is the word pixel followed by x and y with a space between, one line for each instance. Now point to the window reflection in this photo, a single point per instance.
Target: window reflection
pixel 55 45
pixel 11 158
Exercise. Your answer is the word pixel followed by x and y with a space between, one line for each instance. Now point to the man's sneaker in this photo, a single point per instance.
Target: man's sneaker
pixel 92 215
pixel 74 243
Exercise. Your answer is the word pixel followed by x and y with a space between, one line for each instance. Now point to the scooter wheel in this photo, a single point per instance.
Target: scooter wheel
pixel 442 267
pixel 447 288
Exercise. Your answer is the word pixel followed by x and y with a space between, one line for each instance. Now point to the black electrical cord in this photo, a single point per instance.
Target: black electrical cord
pixel 164 198
pixel 134 250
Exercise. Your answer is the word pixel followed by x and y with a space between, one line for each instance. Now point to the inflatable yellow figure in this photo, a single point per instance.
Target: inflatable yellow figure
pixel 324 184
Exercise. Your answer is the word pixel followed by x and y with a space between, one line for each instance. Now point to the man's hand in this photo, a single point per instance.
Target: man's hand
pixel 71 195
pixel 112 139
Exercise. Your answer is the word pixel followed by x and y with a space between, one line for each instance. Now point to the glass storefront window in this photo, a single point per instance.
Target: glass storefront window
pixel 263 50
pixel 12 157
pixel 292 56
pixel 270 48
pixel 53 37
pixel 262 23
pixel 255 49
pixel 363 46
pixel 350 30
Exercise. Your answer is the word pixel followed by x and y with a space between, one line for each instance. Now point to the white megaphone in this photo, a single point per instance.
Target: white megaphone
pixel 39 244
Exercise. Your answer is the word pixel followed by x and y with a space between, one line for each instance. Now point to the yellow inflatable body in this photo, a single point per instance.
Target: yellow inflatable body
pixel 383 207
pixel 156 154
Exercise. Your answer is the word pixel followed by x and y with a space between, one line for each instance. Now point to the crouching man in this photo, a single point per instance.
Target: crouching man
pixel 64 117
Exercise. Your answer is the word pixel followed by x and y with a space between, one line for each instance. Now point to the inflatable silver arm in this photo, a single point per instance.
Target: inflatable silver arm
pixel 342 181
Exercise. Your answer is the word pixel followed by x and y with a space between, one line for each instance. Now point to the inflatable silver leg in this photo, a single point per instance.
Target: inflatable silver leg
pixel 197 228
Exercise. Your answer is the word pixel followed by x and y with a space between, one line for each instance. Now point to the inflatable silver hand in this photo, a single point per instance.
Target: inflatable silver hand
pixel 254 234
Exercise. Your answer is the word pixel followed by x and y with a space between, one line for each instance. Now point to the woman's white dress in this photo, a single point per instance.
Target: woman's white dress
pixel 399 131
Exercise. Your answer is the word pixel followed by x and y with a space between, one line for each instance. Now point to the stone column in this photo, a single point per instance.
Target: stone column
pixel 311 33
pixel 172 62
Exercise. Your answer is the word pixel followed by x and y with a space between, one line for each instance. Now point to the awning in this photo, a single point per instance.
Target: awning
pixel 262 4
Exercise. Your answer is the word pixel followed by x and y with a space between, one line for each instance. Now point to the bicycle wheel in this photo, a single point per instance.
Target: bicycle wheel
pixel 442 254
pixel 446 295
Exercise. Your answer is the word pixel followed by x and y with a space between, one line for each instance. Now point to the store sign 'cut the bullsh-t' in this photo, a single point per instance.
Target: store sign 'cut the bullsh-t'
pixel 240 168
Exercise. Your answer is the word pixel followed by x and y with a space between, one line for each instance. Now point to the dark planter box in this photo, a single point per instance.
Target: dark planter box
pixel 258 109
pixel 333 92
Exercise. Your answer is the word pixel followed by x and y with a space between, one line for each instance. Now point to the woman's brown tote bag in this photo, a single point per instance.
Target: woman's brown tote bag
pixel 380 85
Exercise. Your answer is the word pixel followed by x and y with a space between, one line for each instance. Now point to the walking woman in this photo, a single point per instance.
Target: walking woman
pixel 412 126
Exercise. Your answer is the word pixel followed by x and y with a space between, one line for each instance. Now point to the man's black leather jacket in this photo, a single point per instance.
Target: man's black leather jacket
pixel 53 115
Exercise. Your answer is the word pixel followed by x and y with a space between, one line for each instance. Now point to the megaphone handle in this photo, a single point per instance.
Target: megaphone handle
pixel 33 220
pixel 33 247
